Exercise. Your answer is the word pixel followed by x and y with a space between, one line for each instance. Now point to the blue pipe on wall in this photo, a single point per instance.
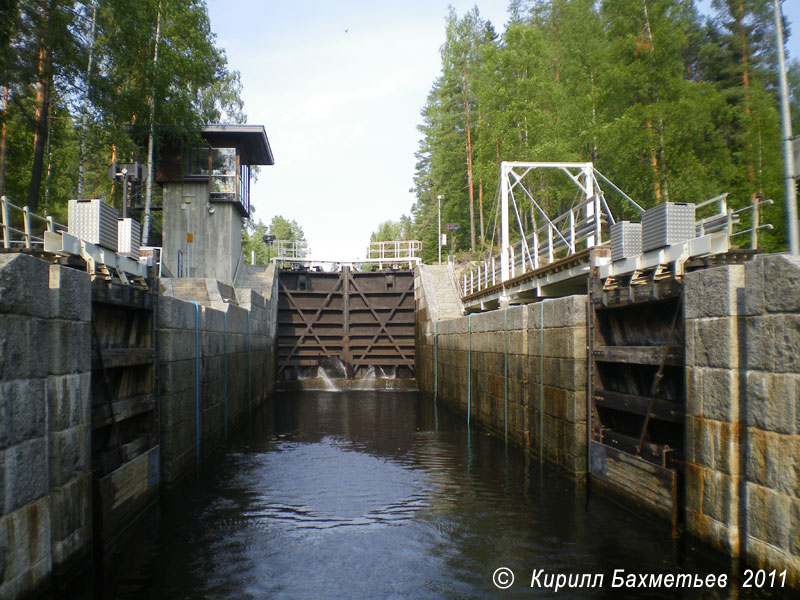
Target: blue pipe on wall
pixel 469 366
pixel 505 376
pixel 197 376
pixel 541 380
pixel 435 360
pixel 249 377
pixel 225 368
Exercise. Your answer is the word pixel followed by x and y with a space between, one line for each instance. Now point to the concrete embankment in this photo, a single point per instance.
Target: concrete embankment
pixel 214 352
pixel 228 336
pixel 519 371
pixel 523 370
pixel 45 422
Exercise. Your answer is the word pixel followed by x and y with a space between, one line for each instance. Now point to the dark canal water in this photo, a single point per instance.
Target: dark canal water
pixel 380 495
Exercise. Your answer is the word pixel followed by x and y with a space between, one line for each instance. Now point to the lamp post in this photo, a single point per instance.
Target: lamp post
pixel 268 239
pixel 793 236
pixel 439 199
pixel 187 206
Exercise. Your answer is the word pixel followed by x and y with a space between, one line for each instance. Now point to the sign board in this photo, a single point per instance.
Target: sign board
pixel 443 240
pixel 451 226
pixel 190 237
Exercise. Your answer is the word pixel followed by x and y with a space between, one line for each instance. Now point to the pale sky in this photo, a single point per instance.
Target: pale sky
pixel 339 87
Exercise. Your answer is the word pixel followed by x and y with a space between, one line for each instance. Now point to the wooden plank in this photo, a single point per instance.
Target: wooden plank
pixel 663 410
pixel 638 474
pixel 641 484
pixel 359 344
pixel 134 448
pixel 104 292
pixel 122 494
pixel 654 453
pixel 645 475
pixel 383 362
pixel 125 408
pixel 638 355
pixel 124 357
pixel 301 362
pixel 640 487
pixel 636 482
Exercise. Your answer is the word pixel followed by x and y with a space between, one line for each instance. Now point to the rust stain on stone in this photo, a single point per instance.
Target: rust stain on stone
pixel 33 531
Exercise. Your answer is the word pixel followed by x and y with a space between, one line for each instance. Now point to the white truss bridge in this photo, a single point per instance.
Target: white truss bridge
pixel 555 255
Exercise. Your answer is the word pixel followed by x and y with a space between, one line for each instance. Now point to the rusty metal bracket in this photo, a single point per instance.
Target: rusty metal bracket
pixel 660 373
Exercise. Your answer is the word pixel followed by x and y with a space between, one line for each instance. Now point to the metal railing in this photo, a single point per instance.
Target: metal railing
pixel 528 254
pixel 289 249
pixel 584 225
pixel 12 217
pixel 153 256
pixel 338 265
pixel 393 250
pixel 392 254
pixel 727 219
pixel 555 239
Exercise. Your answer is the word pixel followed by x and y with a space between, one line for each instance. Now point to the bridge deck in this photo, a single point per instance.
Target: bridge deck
pixel 565 276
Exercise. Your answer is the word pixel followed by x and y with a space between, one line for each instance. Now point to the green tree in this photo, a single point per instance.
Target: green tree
pixel 446 159
pixel 793 76
pixel 389 231
pixel 253 241
pixel 286 229
pixel 279 228
pixel 668 104
pixel 78 81
pixel 745 75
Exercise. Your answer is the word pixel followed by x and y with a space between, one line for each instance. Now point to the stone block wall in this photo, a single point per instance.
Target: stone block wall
pixel 511 374
pixel 557 355
pixel 234 346
pixel 45 403
pixel 743 410
pixel 471 370
pixel 713 420
pixel 45 426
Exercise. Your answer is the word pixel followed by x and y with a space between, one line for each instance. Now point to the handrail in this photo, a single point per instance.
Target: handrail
pixel 339 264
pixel 290 249
pixel 484 276
pixel 530 258
pixel 27 237
pixel 393 249
pixel 236 271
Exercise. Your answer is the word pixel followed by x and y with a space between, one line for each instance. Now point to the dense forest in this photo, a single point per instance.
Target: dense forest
pixel 87 83
pixel 670 104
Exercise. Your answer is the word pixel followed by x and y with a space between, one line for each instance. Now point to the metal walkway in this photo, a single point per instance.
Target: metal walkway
pixel 555 255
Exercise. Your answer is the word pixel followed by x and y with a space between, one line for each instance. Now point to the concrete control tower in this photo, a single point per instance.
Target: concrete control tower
pixel 206 199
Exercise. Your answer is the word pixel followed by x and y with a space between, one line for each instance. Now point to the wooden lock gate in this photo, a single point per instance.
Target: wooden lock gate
pixel 347 322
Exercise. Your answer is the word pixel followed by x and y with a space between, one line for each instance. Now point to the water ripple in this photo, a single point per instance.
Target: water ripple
pixel 331 484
